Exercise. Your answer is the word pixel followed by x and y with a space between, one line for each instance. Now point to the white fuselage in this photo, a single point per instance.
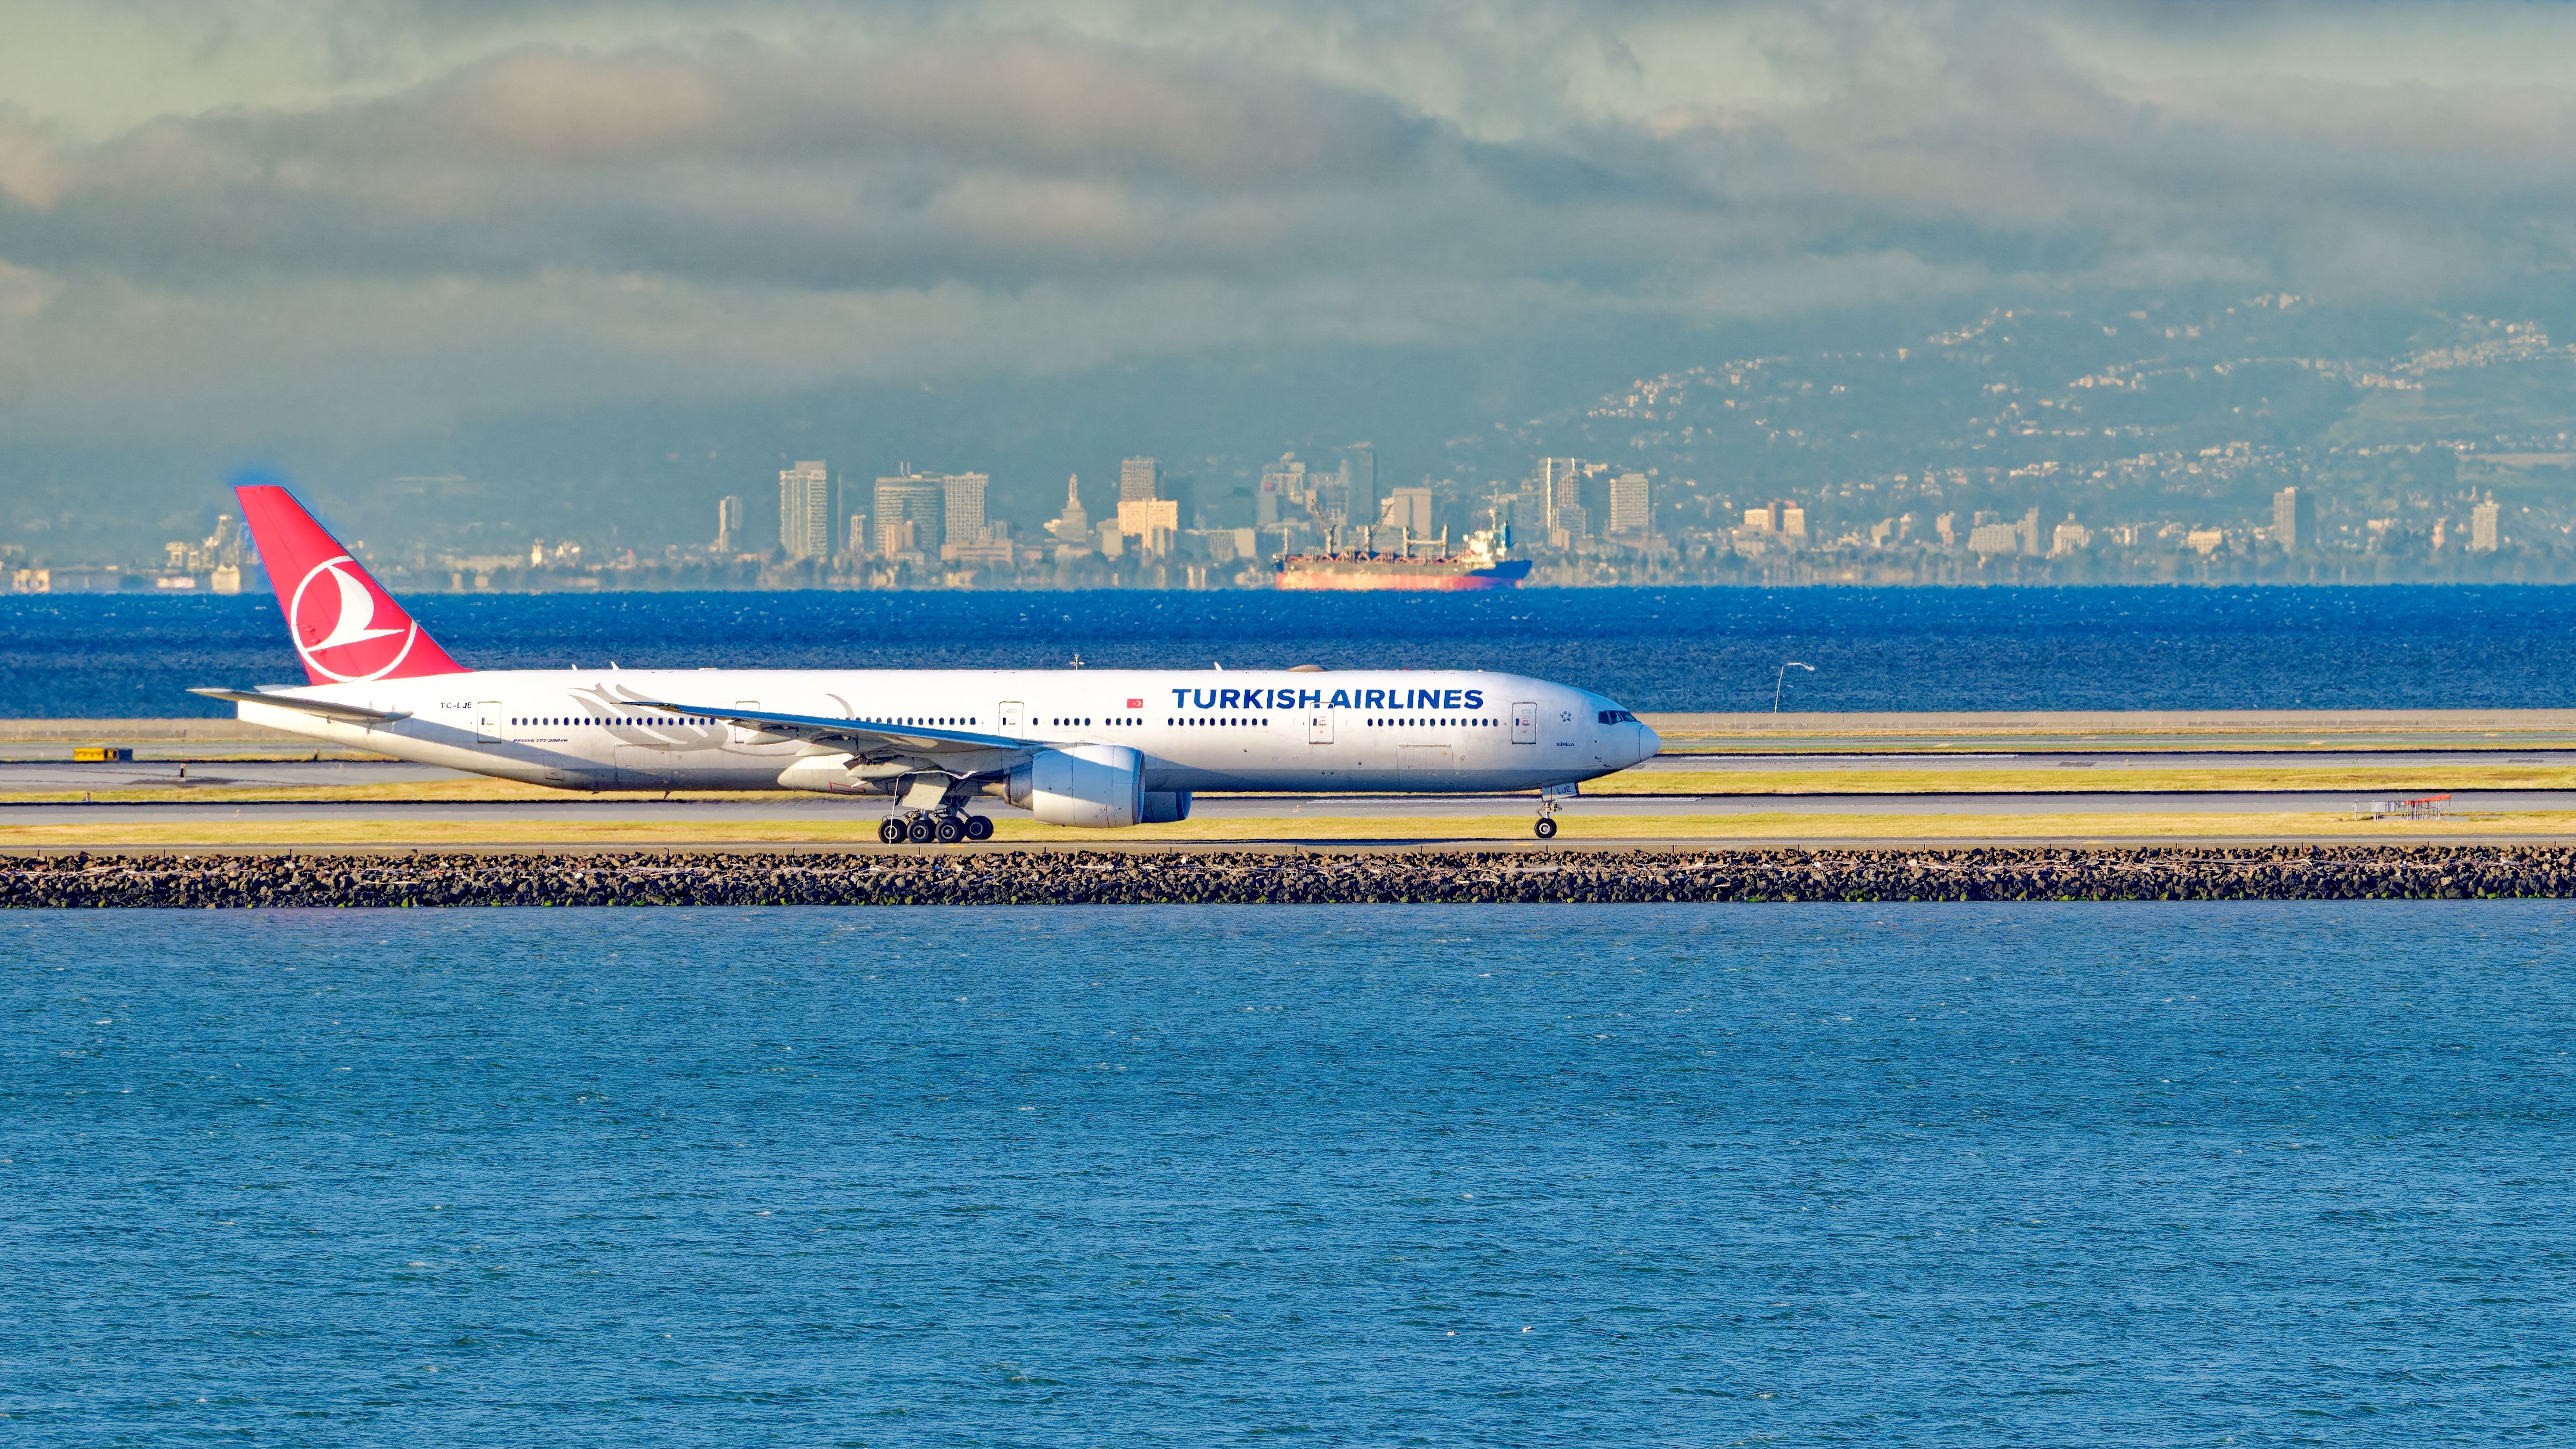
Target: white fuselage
pixel 1264 730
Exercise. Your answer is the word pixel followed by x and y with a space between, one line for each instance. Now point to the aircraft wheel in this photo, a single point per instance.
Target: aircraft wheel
pixel 951 830
pixel 1546 828
pixel 922 832
pixel 979 827
pixel 890 831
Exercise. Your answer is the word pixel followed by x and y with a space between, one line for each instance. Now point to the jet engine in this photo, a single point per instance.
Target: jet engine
pixel 1099 786
pixel 1162 807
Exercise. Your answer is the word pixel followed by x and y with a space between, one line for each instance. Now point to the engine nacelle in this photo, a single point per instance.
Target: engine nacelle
pixel 1099 786
pixel 1162 807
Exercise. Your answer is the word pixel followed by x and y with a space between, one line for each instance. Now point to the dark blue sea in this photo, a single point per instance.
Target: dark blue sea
pixel 2431 647
pixel 1778 1175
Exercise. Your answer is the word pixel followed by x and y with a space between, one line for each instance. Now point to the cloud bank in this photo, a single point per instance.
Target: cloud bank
pixel 400 215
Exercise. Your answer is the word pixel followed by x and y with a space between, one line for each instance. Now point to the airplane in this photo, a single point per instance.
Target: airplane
pixel 1099 748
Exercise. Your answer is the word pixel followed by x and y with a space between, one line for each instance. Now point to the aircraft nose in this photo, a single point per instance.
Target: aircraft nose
pixel 1649 743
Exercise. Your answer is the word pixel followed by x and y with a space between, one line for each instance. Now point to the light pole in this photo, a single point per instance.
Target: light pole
pixel 1783 679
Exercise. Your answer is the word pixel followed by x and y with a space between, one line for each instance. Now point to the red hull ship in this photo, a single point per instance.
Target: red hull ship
pixel 1328 572
pixel 1476 568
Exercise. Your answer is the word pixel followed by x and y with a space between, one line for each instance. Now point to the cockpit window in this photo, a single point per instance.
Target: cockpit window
pixel 1617 716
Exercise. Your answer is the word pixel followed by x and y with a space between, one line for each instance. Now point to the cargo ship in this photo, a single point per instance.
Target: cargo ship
pixel 1479 565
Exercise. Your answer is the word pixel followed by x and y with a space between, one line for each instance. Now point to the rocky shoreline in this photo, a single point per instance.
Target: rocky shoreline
pixel 1078 877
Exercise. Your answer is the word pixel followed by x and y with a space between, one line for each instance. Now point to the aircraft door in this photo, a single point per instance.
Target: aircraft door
pixel 1319 727
pixel 487 722
pixel 1011 714
pixel 1525 722
pixel 742 734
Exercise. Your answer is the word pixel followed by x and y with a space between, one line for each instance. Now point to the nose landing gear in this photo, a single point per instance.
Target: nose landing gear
pixel 1550 800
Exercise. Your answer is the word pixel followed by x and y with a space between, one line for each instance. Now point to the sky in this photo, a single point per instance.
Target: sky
pixel 603 250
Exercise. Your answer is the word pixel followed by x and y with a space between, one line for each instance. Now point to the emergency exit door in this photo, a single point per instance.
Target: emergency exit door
pixel 1319 728
pixel 487 722
pixel 1525 722
pixel 1011 714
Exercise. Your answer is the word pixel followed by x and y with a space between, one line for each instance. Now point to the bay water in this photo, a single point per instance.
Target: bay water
pixel 1689 1175
pixel 2431 647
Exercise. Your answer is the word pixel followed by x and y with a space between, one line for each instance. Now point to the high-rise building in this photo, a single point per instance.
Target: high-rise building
pixel 1137 478
pixel 962 502
pixel 2030 543
pixel 1073 526
pixel 1146 518
pixel 805 510
pixel 729 523
pixel 1995 538
pixel 2482 528
pixel 908 508
pixel 1632 508
pixel 859 543
pixel 1332 493
pixel 1359 485
pixel 2294 519
pixel 1282 484
pixel 1560 485
pixel 1406 508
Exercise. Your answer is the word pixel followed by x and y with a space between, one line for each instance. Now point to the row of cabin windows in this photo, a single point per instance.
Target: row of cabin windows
pixel 691 719
pixel 1608 716
pixel 679 719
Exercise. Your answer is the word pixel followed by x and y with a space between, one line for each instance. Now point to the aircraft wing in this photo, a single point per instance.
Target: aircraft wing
pixel 354 714
pixel 859 737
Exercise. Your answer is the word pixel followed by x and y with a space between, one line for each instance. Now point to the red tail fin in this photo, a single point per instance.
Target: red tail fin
pixel 343 622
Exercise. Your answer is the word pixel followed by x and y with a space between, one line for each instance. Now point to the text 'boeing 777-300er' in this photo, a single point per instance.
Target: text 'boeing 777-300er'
pixel 1083 747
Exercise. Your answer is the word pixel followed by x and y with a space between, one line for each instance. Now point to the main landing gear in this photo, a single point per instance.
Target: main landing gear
pixel 923 827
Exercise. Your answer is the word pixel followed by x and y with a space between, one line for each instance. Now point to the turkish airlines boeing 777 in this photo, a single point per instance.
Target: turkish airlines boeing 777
pixel 1088 747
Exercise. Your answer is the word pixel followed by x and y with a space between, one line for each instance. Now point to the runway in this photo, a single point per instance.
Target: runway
pixel 151 804
pixel 1738 779
pixel 1768 774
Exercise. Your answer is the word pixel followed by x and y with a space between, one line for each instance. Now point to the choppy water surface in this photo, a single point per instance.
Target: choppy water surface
pixel 2433 647
pixel 2260 1174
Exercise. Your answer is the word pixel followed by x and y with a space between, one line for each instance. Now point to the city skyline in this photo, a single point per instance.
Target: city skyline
pixel 479 263
pixel 2169 425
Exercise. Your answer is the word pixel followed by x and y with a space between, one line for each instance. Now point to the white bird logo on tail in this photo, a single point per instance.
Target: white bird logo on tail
pixel 355 623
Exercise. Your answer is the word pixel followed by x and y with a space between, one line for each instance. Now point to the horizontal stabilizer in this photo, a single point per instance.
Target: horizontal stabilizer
pixel 355 714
